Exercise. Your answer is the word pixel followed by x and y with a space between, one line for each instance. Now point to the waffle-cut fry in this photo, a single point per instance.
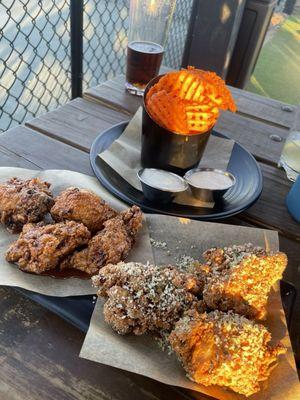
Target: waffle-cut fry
pixel 189 95
pixel 199 94
pixel 201 116
pixel 166 83
pixel 203 108
pixel 188 87
pixel 200 122
pixel 168 112
pixel 216 89
pixel 198 128
pixel 180 81
pixel 188 101
pixel 185 88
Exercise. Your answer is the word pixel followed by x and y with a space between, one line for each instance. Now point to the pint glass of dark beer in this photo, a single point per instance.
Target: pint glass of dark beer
pixel 149 22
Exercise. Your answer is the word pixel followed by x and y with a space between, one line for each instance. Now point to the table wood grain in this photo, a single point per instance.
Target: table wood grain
pixel 254 135
pixel 269 111
pixel 39 361
pixel 38 350
pixel 76 125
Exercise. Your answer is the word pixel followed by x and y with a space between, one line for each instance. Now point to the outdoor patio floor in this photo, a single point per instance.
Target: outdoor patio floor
pixel 277 71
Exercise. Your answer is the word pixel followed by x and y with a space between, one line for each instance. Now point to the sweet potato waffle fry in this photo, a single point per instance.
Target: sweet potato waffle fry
pixel 188 101
pixel 168 111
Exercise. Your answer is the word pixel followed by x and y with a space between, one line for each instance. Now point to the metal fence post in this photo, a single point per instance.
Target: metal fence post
pixel 212 33
pixel 190 34
pixel 76 27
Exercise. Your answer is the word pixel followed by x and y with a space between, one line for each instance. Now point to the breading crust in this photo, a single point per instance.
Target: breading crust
pixel 42 247
pixel 24 201
pixel 145 298
pixel 110 245
pixel 240 279
pixel 83 206
pixel 224 349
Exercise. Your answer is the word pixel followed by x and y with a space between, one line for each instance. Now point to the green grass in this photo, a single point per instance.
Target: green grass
pixel 277 72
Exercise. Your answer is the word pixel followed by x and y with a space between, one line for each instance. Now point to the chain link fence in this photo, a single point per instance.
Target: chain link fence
pixel 34 58
pixel 35 65
pixel 105 38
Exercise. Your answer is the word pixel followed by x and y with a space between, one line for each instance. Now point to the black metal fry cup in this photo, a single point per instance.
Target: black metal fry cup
pixel 166 149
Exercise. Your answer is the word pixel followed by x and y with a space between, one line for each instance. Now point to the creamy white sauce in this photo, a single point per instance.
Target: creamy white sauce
pixel 210 180
pixel 162 180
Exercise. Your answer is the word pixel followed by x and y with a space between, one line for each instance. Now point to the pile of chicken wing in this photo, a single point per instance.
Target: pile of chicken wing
pixel 85 232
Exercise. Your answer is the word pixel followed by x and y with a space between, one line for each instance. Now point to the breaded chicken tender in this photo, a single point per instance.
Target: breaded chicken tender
pixel 240 279
pixel 145 298
pixel 24 201
pixel 84 206
pixel 110 245
pixel 224 349
pixel 42 247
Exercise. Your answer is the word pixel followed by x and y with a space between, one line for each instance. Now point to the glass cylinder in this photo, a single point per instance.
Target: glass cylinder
pixel 290 156
pixel 149 22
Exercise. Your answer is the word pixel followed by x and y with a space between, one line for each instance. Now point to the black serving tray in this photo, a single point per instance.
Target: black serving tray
pixel 76 310
pixel 242 165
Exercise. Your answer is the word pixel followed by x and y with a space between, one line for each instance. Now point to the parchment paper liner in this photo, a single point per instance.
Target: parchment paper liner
pixel 142 354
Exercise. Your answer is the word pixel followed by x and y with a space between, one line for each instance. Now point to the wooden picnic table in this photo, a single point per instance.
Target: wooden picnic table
pixel 38 350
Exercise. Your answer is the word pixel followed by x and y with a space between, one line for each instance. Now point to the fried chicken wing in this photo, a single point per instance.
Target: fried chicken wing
pixel 224 349
pixel 82 206
pixel 241 278
pixel 42 247
pixel 219 259
pixel 110 245
pixel 24 201
pixel 144 298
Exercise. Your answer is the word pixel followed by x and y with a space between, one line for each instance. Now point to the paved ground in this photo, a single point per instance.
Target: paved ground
pixel 278 68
